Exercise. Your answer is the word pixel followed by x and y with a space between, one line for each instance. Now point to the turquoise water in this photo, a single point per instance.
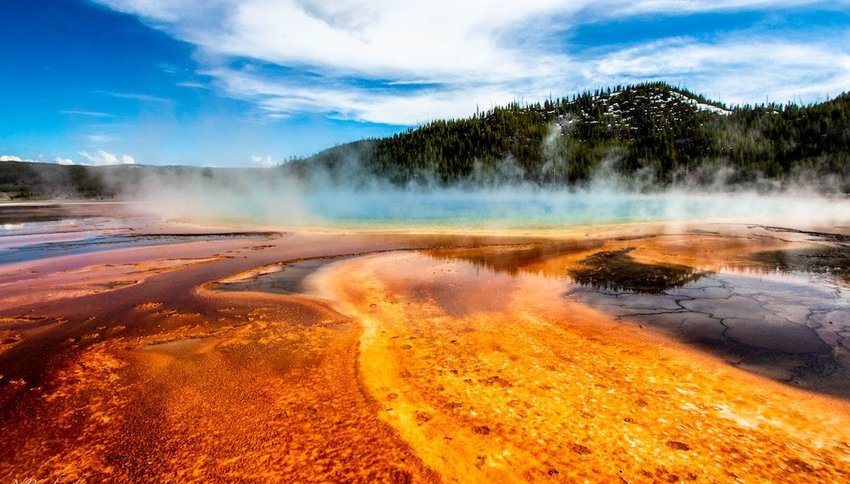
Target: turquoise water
pixel 557 209
pixel 503 208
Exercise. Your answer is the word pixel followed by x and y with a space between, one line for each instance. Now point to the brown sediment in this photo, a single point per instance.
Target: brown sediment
pixel 266 389
pixel 88 280
pixel 463 362
pixel 164 379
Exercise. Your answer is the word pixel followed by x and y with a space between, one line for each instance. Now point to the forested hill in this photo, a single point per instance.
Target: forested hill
pixel 655 130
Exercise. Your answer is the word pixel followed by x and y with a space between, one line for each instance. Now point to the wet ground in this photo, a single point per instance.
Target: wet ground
pixel 132 350
pixel 784 327
pixel 500 377
pixel 44 250
pixel 280 278
pixel 781 313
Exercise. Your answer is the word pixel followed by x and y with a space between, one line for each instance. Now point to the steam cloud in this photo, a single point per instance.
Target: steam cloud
pixel 497 199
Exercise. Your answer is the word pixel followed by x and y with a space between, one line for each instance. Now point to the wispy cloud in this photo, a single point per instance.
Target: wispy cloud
pixel 736 69
pixel 192 85
pixel 99 138
pixel 401 62
pixel 281 98
pixel 94 114
pixel 149 98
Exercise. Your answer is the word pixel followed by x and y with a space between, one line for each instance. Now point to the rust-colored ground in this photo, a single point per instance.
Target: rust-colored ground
pixel 522 385
pixel 463 362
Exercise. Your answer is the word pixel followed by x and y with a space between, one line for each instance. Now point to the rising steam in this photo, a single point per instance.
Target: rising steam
pixel 276 197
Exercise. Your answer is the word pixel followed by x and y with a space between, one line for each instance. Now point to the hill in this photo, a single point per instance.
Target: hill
pixel 29 180
pixel 652 130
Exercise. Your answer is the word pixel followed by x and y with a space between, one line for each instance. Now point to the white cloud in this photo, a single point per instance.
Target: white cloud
pixel 102 157
pixel 440 39
pixel 147 98
pixel 58 160
pixel 282 98
pixel 402 62
pixel 264 161
pixel 736 70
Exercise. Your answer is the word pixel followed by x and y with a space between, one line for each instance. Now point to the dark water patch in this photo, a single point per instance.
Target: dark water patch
pixel 829 261
pixel 17 214
pixel 784 328
pixel 16 219
pixel 110 242
pixel 826 236
pixel 22 214
pixel 58 226
pixel 289 277
pixel 618 271
pixel 282 278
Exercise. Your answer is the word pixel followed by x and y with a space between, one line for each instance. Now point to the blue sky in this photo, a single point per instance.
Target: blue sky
pixel 253 82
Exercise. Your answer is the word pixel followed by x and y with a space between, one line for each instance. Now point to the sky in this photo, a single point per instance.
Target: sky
pixel 256 82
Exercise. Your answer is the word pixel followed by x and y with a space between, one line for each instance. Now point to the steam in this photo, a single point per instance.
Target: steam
pixel 492 197
pixel 262 196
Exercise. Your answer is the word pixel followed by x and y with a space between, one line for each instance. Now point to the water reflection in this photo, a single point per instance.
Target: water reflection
pixel 540 258
pixel 771 312
pixel 616 270
pixel 833 262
